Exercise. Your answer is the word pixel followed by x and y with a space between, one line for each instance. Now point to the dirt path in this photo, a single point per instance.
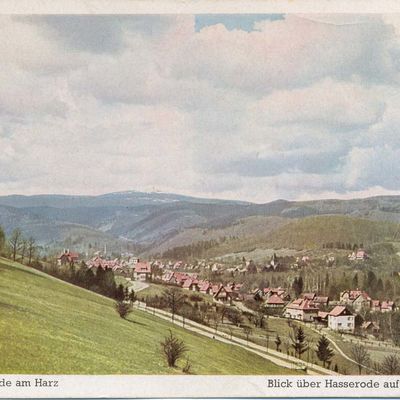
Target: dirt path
pixel 271 355
pixel 137 286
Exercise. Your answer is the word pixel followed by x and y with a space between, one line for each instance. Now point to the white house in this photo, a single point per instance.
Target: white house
pixel 142 271
pixel 301 309
pixel 341 319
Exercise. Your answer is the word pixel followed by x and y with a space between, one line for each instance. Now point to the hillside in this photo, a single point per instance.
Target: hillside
pixel 256 237
pixel 155 222
pixel 50 327
pixel 243 230
pixel 314 232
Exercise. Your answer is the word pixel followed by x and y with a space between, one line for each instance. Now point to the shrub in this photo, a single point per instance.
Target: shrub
pixel 173 349
pixel 123 308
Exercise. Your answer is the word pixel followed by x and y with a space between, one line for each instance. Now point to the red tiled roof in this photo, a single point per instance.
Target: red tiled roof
pixel 205 286
pixel 321 299
pixel 339 310
pixel 143 268
pixel 323 314
pixel 275 299
pixel 70 255
pixel 187 283
pixel 305 305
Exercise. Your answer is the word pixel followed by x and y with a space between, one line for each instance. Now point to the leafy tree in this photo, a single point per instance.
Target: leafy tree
pixel 390 365
pixel 355 281
pixel 173 349
pixel 119 293
pixel 89 278
pixel 123 308
pixel 299 342
pixel 174 300
pixel 15 241
pixel 371 281
pixel 132 296
pixel 298 286
pixel 360 356
pixel 324 352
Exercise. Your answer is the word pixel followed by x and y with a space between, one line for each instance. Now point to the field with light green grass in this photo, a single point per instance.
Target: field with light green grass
pixel 50 327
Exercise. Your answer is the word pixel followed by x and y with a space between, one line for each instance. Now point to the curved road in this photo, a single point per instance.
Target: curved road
pixel 272 355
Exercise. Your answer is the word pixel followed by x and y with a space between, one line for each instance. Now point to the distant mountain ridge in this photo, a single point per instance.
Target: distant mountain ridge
pixel 160 220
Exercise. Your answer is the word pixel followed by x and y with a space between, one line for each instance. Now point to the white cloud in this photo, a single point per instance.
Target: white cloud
pixel 300 107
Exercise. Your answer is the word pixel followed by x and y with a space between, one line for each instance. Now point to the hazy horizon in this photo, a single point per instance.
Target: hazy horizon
pixel 184 195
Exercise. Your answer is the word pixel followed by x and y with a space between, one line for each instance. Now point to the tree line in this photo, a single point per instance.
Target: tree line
pixel 17 246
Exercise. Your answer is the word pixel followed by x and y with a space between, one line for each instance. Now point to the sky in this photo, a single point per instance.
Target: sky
pixel 248 107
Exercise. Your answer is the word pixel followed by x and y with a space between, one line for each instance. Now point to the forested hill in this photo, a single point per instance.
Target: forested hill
pixel 161 221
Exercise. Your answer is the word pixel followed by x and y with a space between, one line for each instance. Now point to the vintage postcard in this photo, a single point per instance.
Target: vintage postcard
pixel 199 200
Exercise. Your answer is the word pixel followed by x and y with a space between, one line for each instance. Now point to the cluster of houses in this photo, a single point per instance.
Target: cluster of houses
pixel 310 307
pixel 360 300
pixel 222 293
pixel 132 268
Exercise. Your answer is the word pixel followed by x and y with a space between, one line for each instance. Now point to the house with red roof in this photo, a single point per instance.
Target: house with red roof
pixel 308 296
pixel 99 262
pixel 387 306
pixel 142 271
pixel 268 292
pixel 206 288
pixel 302 310
pixel 322 317
pixel 191 284
pixel 371 328
pixel 321 301
pixel 274 301
pixel 223 295
pixel 67 258
pixel 358 299
pixel 341 319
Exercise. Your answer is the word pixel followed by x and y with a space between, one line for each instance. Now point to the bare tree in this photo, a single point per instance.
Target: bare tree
pixel 278 342
pixel 235 317
pixel 390 365
pixel 230 329
pixel 223 311
pixel 173 349
pixel 31 249
pixel 174 299
pixel 361 356
pixel 247 331
pixel 215 320
pixel 24 248
pixel 15 242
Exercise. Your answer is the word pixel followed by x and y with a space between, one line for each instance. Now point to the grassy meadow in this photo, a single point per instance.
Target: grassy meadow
pixel 50 327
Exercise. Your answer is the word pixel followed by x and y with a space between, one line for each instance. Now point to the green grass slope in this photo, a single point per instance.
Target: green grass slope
pixel 50 327
pixel 313 232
